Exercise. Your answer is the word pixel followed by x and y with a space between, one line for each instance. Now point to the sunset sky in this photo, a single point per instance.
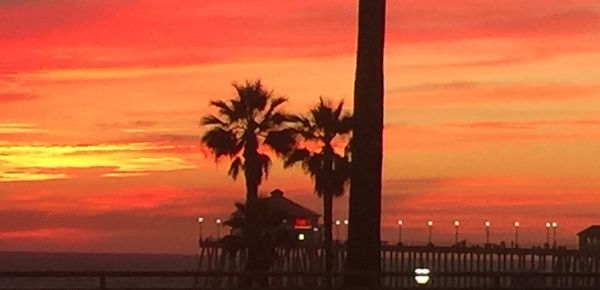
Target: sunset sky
pixel 492 112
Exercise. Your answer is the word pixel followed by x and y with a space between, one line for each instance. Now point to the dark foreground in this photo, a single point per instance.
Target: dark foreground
pixel 451 268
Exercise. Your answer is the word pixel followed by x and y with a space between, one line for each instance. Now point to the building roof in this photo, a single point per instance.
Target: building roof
pixel 286 208
pixel 590 231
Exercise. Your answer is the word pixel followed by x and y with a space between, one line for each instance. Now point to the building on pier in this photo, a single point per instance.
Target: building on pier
pixel 301 221
pixel 589 239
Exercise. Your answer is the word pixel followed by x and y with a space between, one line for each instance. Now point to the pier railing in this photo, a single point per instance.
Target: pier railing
pixel 167 280
pixel 400 259
pixel 457 267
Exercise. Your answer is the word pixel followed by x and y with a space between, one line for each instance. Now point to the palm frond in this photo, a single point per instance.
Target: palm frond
pixel 213 120
pixel 239 111
pixel 276 102
pixel 271 117
pixel 220 141
pixel 252 95
pixel 315 164
pixel 338 110
pixel 265 164
pixel 224 109
pixel 345 124
pixel 235 167
pixel 296 156
pixel 282 141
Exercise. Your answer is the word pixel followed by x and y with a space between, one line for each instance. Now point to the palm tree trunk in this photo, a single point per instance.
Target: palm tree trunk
pixel 367 150
pixel 252 169
pixel 328 238
pixel 252 174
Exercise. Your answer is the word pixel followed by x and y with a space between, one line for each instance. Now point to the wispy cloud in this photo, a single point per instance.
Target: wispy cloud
pixel 517 125
pixel 19 160
pixel 14 97
pixel 18 128
pixel 470 92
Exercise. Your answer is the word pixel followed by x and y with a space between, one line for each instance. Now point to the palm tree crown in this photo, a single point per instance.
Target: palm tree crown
pixel 321 129
pixel 251 119
pixel 330 171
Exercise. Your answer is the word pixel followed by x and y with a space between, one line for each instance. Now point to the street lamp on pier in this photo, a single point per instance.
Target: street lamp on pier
pixel 548 225
pixel 399 232
pixel 456 225
pixel 200 221
pixel 487 225
pixel 517 225
pixel 554 226
pixel 337 229
pixel 430 225
pixel 218 221
pixel 346 222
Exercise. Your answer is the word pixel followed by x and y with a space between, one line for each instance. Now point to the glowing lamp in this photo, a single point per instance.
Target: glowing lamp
pixel 422 276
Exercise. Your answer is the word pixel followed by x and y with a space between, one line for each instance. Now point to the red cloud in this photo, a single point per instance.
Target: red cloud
pixel 13 97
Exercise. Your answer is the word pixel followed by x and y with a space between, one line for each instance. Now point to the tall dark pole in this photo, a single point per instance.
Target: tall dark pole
pixel 218 222
pixel 200 221
pixel 554 226
pixel 548 225
pixel 364 233
pixel 487 232
pixel 429 239
pixel 517 224
pixel 346 224
pixel 399 232
pixel 456 225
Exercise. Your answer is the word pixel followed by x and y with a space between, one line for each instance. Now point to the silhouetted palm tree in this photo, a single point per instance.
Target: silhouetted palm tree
pixel 364 240
pixel 251 119
pixel 330 171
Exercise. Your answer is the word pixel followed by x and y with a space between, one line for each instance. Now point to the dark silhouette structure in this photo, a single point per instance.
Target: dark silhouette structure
pixel 253 117
pixel 330 171
pixel 367 148
pixel 589 239
pixel 248 120
pixel 298 220
pixel 451 267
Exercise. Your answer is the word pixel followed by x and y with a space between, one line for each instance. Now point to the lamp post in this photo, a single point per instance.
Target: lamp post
pixel 218 221
pixel 200 221
pixel 548 226
pixel 554 226
pixel 456 225
pixel 399 232
pixel 487 232
pixel 346 222
pixel 430 225
pixel 517 225
pixel 337 229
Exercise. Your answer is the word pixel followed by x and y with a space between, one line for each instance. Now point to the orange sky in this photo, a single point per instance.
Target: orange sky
pixel 492 112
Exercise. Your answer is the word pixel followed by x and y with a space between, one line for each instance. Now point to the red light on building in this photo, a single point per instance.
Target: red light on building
pixel 301 223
